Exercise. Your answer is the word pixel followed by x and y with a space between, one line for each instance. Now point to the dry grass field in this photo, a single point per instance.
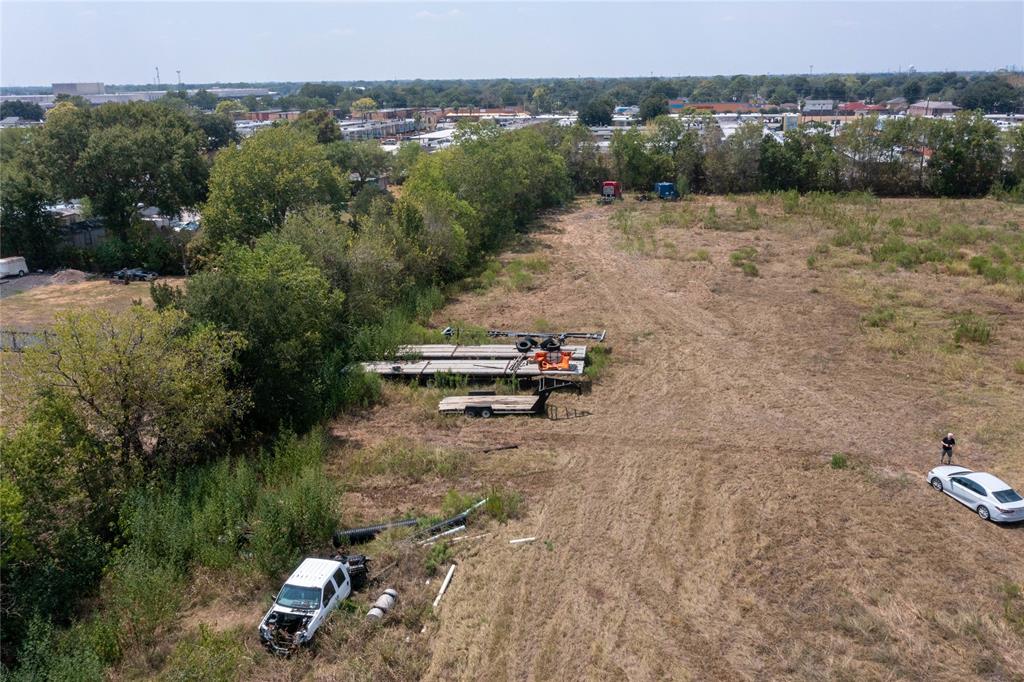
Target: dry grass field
pixel 697 525
pixel 37 308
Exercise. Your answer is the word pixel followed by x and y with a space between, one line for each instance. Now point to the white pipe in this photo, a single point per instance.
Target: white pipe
pixel 521 540
pixel 444 585
pixel 451 531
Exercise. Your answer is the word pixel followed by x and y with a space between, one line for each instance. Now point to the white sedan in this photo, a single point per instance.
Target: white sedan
pixel 990 497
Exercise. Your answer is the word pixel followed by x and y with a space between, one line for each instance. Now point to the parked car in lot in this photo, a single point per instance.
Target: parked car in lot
pixel 991 498
pixel 135 274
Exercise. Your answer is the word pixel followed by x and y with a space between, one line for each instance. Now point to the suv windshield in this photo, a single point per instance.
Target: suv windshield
pixel 1008 495
pixel 299 597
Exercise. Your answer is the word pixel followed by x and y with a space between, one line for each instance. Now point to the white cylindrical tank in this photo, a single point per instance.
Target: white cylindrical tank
pixel 384 603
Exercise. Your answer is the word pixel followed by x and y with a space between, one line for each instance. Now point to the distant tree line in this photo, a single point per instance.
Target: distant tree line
pixel 965 156
pixel 991 93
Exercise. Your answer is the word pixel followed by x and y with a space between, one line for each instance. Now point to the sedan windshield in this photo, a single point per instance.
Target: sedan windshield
pixel 295 597
pixel 1008 495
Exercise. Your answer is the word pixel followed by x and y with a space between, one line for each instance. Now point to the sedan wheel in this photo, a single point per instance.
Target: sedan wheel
pixel 937 484
pixel 983 513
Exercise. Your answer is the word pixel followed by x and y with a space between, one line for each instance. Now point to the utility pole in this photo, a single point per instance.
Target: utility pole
pixel 157 77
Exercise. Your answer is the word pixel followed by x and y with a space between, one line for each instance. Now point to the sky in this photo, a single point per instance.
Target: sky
pixel 123 42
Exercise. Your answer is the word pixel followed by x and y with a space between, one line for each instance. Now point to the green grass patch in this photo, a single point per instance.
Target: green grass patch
pixel 839 461
pixel 879 316
pixel 744 260
pixel 207 655
pixel 598 358
pixel 971 327
pixel 699 256
pixel 1013 605
pixel 401 458
pixel 1018 366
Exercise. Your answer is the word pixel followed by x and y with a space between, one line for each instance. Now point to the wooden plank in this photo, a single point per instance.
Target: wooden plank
pixel 444 351
pixel 481 368
pixel 460 402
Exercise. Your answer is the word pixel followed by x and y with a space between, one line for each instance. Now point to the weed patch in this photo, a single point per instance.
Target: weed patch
pixel 879 317
pixel 744 260
pixel 598 358
pixel 971 327
pixel 839 461
pixel 401 458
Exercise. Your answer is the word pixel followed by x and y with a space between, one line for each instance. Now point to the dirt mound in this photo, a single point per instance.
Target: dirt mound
pixel 68 277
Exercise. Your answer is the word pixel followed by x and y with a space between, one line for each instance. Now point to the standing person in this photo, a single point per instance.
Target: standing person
pixel 948 443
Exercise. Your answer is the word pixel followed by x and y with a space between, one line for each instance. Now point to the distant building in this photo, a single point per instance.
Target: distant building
pixel 819 107
pixel 82 89
pixel 16 122
pixel 860 109
pixel 928 108
pixel 675 106
pixel 896 104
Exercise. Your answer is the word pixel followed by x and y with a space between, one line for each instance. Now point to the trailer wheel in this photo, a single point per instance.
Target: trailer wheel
pixel 485 412
pixel 470 412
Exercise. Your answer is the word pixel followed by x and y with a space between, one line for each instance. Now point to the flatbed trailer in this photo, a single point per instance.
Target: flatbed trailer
pixel 490 405
pixel 475 368
pixel 445 351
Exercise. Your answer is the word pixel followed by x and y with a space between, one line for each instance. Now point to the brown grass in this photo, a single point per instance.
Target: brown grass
pixel 693 527
pixel 38 308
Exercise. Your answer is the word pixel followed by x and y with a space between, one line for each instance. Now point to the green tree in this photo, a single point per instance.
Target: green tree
pixel 596 112
pixel 991 94
pixel 29 111
pixel 218 129
pixel 363 106
pixel 912 91
pixel 364 158
pixel 230 106
pixel 123 155
pixel 253 187
pixel 966 155
pixel 286 309
pixel 203 100
pixel 635 166
pixel 140 382
pixel 321 123
pixel 653 106
pixel 734 164
pixel 406 157
pixel 27 228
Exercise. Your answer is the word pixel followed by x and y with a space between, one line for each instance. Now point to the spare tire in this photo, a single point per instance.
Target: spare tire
pixel 524 345
pixel 550 343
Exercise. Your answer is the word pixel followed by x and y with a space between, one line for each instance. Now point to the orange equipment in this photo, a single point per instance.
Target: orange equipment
pixel 554 360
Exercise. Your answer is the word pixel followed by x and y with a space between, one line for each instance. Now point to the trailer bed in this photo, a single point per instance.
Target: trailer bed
pixel 444 351
pixel 498 404
pixel 479 368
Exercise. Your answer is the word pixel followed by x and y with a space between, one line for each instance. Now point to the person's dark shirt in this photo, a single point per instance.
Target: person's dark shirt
pixel 948 443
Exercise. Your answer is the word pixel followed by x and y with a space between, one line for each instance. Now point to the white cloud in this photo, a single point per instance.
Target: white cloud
pixel 427 14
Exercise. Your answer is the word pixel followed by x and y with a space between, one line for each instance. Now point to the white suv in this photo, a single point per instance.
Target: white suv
pixel 306 599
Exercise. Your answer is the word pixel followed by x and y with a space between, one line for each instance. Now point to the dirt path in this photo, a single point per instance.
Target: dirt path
pixel 694 529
